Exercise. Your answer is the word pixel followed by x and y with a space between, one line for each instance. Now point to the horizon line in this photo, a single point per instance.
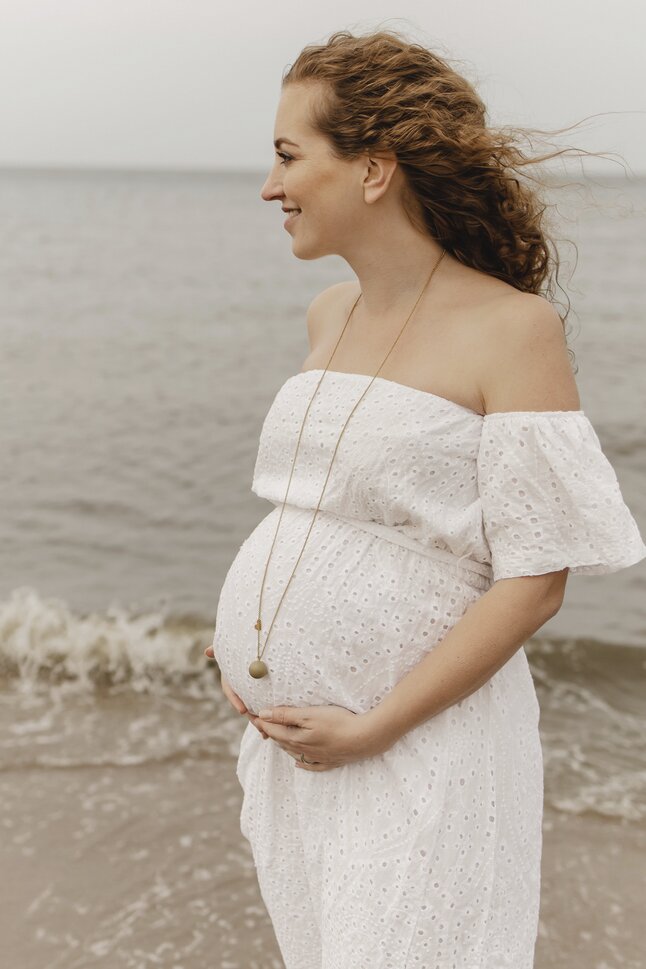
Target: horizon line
pixel 129 169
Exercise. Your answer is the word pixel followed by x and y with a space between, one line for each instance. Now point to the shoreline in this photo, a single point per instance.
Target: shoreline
pixel 105 861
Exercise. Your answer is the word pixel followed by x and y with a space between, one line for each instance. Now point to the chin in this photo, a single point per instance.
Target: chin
pixel 309 253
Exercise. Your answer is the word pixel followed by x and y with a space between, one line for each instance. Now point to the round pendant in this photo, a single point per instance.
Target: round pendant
pixel 258 669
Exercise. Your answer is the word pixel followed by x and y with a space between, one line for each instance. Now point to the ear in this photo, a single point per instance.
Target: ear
pixel 378 173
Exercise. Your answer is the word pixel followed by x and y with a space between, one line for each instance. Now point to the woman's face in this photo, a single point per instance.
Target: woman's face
pixel 305 176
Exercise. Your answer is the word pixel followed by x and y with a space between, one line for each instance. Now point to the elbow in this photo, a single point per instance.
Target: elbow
pixel 555 592
pixel 553 604
pixel 544 592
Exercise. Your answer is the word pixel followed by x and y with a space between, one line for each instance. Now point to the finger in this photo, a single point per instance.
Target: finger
pixel 209 652
pixel 308 762
pixel 257 725
pixel 294 753
pixel 235 701
pixel 257 722
pixel 259 729
pixel 285 716
pixel 283 735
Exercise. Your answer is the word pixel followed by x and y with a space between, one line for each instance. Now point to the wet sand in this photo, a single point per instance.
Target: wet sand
pixel 134 865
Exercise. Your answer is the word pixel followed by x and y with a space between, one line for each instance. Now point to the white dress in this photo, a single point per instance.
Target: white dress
pixel 428 855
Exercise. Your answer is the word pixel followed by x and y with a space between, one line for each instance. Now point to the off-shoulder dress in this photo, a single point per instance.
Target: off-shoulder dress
pixel 427 856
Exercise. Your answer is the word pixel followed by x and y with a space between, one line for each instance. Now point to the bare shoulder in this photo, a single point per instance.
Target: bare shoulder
pixel 321 310
pixel 523 358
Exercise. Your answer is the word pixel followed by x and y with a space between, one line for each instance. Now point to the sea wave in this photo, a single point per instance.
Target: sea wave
pixel 125 689
pixel 43 643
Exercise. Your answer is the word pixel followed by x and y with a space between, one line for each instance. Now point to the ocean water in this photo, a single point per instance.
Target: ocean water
pixel 132 304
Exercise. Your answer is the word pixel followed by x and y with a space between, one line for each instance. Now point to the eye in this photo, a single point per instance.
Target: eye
pixel 286 158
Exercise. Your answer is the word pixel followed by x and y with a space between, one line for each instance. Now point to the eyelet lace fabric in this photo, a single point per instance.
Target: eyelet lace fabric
pixel 428 855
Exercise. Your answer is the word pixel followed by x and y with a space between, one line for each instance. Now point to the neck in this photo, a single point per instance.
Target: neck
pixel 392 271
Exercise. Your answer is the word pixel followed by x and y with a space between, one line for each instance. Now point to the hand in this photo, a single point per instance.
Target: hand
pixel 236 702
pixel 331 736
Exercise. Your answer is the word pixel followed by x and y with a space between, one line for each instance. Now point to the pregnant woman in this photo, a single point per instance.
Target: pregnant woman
pixel 435 482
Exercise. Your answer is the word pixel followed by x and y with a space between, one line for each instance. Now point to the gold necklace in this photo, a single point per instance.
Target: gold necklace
pixel 258 668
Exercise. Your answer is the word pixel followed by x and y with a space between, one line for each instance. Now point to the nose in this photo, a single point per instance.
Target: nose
pixel 272 188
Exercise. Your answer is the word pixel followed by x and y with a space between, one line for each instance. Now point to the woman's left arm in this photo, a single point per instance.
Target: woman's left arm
pixel 524 366
pixel 486 636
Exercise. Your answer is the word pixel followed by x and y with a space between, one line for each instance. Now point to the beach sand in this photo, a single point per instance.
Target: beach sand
pixel 141 863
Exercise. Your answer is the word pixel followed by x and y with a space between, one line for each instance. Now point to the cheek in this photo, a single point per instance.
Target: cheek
pixel 340 219
pixel 329 205
pixel 323 197
pixel 317 188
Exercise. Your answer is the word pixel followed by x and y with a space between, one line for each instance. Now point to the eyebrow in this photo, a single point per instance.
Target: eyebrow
pixel 280 141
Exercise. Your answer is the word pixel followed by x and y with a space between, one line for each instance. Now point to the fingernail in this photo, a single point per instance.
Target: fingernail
pixel 264 714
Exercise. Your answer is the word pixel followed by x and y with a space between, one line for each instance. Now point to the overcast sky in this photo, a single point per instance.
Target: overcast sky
pixel 194 83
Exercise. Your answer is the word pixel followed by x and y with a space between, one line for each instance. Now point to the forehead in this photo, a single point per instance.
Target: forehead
pixel 293 112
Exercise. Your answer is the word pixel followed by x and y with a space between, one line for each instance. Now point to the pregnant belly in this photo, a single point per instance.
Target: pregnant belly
pixel 359 613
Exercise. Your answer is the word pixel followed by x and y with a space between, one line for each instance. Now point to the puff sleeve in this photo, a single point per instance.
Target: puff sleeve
pixel 550 498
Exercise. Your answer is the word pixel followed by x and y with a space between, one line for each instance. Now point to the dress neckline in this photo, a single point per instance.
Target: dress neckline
pixel 394 383
pixel 445 400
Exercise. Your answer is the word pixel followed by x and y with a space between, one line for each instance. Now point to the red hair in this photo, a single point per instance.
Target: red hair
pixel 381 92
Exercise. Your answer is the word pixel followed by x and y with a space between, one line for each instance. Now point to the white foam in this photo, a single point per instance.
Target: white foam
pixel 44 642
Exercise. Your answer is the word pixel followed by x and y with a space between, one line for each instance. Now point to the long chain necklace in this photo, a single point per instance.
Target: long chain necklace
pixel 258 668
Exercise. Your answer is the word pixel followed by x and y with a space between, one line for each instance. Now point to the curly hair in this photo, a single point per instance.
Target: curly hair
pixel 462 184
